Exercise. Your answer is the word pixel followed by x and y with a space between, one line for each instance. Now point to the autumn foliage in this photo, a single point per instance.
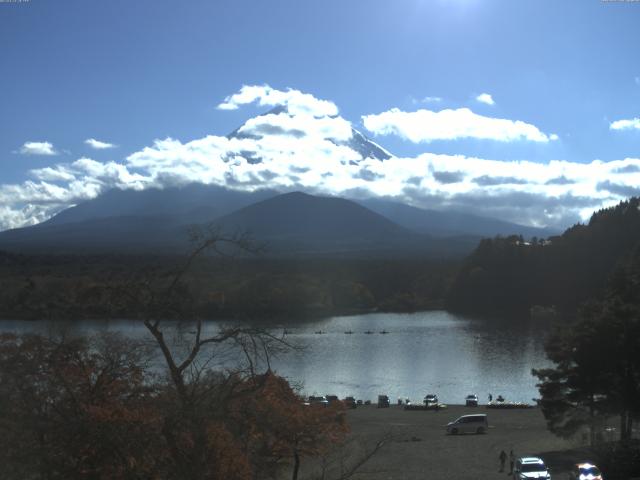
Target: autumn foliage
pixel 94 409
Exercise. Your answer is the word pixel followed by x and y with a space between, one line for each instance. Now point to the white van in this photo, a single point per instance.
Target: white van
pixel 469 424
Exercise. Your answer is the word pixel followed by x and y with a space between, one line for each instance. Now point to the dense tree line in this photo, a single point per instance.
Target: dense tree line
pixel 76 287
pixel 596 372
pixel 509 274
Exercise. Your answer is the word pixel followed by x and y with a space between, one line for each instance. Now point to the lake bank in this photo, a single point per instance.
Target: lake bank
pixel 418 447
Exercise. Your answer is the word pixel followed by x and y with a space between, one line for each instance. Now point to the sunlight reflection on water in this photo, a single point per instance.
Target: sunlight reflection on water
pixel 424 352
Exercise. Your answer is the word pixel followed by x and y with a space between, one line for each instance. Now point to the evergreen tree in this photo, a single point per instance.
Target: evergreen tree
pixel 597 360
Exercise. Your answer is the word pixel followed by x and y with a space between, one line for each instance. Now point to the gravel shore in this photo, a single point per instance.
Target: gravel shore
pixel 419 448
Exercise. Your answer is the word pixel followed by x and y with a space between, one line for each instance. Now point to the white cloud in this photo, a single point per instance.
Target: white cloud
pixel 558 193
pixel 98 145
pixel 61 186
pixel 37 148
pixel 294 100
pixel 25 216
pixel 632 124
pixel 427 126
pixel 432 99
pixel 485 98
pixel 302 150
pixel 334 128
pixel 57 173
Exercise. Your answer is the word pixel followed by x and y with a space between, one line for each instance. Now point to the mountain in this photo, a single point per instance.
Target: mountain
pixel 301 215
pixel 450 223
pixel 123 234
pixel 359 142
pixel 197 203
pixel 193 203
pixel 157 219
pixel 289 224
pixel 305 222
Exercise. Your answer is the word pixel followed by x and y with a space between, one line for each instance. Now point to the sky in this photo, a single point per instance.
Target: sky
pixel 527 111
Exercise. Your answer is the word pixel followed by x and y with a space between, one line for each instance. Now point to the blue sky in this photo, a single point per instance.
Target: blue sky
pixel 128 73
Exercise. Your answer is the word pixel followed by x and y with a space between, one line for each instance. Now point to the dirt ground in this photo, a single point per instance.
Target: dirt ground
pixel 418 447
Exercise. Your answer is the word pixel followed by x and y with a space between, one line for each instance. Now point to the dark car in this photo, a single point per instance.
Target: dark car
pixel 350 402
pixel 332 398
pixel 471 400
pixel 430 399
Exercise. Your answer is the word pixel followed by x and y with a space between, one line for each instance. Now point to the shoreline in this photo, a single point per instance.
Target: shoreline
pixel 418 446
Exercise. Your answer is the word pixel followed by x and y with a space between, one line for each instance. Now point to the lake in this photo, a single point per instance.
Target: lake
pixel 425 352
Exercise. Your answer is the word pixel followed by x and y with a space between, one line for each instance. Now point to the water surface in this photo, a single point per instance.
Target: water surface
pixel 425 352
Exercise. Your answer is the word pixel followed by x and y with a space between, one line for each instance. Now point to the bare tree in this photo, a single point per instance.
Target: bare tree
pixel 203 396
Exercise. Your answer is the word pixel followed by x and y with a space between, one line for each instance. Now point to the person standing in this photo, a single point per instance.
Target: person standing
pixel 512 460
pixel 503 458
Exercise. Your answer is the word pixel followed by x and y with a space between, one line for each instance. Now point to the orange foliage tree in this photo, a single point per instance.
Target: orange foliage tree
pixel 90 409
pixel 276 426
pixel 75 409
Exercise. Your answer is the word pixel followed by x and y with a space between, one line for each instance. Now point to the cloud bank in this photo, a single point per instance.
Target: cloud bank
pixel 304 144
pixel 425 126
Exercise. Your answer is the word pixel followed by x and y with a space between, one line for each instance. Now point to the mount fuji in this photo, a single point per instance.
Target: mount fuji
pixel 156 219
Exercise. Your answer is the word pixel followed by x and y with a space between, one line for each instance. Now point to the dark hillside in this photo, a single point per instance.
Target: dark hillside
pixel 309 217
pixel 507 274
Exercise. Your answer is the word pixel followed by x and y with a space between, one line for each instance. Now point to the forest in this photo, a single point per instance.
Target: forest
pixel 507 275
pixel 36 287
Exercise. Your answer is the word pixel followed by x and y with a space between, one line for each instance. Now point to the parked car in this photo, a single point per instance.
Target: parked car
pixel 471 400
pixel 332 398
pixel 315 400
pixel 430 399
pixel 383 401
pixel 527 468
pixel 469 424
pixel 350 402
pixel 585 471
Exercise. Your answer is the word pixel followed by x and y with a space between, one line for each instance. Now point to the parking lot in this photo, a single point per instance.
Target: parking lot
pixel 418 447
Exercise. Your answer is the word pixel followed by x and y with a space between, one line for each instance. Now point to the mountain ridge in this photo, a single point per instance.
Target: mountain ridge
pixel 291 223
pixel 133 216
